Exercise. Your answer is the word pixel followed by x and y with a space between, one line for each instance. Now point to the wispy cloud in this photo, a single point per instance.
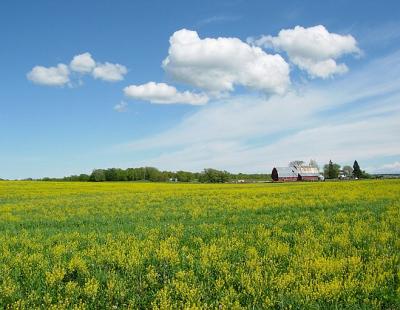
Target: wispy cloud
pixel 386 168
pixel 357 117
pixel 121 107
pixel 379 36
pixel 218 19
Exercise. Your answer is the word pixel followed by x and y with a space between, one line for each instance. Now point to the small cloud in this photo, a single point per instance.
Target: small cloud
pixel 83 63
pixel 110 72
pixel 218 19
pixel 51 76
pixel 162 93
pixel 121 107
pixel 312 49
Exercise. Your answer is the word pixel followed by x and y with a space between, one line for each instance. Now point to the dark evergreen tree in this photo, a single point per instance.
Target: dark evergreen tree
pixel 357 170
pixel 274 175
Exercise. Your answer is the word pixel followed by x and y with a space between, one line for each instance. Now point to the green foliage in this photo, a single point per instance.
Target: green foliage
pixel 331 170
pixel 185 176
pixel 152 174
pixel 214 176
pixel 366 175
pixel 98 175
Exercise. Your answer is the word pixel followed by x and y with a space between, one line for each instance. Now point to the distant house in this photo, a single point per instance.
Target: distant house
pixel 342 175
pixel 296 173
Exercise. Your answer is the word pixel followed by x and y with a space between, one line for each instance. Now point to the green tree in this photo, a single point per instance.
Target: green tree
pixel 111 174
pixel 357 170
pixel 83 177
pixel 153 174
pixel 122 175
pixel 214 176
pixel 331 170
pixel 130 174
pixel 184 176
pixel 98 175
pixel 366 175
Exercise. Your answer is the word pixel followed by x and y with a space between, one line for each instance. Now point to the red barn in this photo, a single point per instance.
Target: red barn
pixel 284 174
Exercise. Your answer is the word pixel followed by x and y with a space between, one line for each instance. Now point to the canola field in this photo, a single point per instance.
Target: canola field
pixel 328 245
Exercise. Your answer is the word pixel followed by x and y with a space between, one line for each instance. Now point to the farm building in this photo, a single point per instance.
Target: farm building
pixel 284 174
pixel 296 173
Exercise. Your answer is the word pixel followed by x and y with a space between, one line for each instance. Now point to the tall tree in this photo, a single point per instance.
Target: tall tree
pixel 331 170
pixel 357 170
pixel 130 174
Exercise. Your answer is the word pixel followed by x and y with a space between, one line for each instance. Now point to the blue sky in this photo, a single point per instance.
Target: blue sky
pixel 242 88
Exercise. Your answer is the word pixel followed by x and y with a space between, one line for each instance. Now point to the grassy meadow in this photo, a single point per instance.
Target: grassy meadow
pixel 328 245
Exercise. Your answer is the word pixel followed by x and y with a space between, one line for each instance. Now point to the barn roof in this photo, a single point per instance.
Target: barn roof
pixel 293 172
pixel 286 172
pixel 309 174
pixel 307 171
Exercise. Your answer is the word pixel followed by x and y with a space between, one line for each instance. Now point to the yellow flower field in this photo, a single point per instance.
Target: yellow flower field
pixel 329 245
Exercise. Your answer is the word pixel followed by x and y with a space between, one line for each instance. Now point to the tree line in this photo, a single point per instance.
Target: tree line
pixel 152 174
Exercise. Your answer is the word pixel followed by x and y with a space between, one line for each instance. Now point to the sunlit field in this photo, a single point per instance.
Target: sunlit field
pixel 253 246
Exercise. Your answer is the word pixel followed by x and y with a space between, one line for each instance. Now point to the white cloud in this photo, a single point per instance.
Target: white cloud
pixel 312 49
pixel 109 72
pixel 162 93
pixel 121 107
pixel 394 166
pixel 217 65
pixel 337 122
pixel 83 63
pixel 51 76
pixel 390 168
pixel 218 19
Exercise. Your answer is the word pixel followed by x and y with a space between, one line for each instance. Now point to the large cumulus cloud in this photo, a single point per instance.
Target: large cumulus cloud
pixel 218 65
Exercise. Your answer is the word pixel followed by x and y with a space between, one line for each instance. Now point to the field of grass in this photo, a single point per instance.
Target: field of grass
pixel 117 245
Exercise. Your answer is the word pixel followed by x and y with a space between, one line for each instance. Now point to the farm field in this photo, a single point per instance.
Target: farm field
pixel 325 245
